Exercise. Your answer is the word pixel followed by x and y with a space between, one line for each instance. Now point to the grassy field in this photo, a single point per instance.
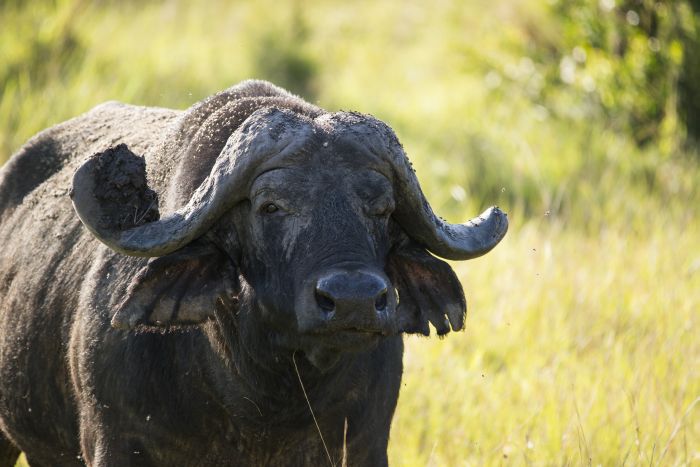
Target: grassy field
pixel 582 341
pixel 579 350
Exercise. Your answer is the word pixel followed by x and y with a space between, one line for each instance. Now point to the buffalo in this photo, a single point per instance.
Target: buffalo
pixel 221 286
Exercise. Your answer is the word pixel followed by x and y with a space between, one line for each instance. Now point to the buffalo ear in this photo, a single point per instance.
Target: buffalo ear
pixel 429 291
pixel 182 288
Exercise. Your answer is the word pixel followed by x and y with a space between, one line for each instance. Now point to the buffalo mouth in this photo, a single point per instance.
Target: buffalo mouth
pixel 322 344
pixel 324 350
pixel 346 338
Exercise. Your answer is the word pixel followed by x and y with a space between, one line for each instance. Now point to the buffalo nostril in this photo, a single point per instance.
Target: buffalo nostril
pixel 326 303
pixel 380 302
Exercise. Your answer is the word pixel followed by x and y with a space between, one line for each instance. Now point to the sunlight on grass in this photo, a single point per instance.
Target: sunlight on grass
pixel 577 350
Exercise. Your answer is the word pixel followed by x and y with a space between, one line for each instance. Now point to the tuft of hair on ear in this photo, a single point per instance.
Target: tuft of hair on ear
pixel 429 290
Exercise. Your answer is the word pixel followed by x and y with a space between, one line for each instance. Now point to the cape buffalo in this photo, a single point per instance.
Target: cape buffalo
pixel 228 287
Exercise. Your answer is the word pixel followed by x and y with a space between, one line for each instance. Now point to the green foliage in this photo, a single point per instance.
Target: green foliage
pixel 621 62
pixel 570 114
pixel 689 80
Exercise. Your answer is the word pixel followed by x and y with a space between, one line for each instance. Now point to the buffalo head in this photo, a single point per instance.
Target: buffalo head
pixel 313 221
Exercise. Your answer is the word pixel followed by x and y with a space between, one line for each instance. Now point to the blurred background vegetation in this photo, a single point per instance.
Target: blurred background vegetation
pixel 581 118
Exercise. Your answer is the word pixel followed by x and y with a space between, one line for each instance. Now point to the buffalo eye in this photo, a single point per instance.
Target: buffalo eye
pixel 383 211
pixel 269 208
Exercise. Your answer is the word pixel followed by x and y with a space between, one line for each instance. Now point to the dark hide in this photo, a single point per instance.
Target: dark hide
pixel 196 357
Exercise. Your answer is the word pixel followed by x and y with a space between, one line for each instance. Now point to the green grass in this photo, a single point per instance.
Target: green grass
pixel 581 344
pixel 577 350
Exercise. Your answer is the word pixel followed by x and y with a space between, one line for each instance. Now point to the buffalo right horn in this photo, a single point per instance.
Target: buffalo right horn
pixel 268 132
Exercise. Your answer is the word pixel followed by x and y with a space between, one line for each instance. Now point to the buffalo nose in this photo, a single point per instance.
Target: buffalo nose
pixel 339 293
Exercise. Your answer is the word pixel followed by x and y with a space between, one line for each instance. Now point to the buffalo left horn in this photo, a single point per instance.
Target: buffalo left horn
pixel 464 241
pixel 413 212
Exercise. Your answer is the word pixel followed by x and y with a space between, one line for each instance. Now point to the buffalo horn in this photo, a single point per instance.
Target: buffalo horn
pixel 266 133
pixel 450 241
pixel 464 241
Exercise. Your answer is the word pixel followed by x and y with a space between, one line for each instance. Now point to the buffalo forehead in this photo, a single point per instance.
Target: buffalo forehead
pixel 357 139
pixel 294 182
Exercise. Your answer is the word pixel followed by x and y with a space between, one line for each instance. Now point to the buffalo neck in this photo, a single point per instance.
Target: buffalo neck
pixel 261 383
